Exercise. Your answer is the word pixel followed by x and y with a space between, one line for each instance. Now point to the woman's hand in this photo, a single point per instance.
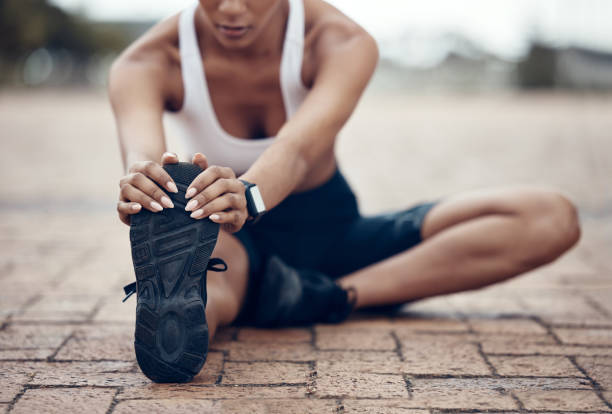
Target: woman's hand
pixel 217 193
pixel 141 188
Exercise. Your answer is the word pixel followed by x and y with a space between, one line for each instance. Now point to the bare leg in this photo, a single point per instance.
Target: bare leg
pixel 472 241
pixel 226 290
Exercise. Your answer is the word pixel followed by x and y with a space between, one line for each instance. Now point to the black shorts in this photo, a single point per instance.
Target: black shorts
pixel 322 229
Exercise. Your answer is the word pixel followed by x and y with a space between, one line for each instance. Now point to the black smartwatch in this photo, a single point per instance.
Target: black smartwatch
pixel 255 203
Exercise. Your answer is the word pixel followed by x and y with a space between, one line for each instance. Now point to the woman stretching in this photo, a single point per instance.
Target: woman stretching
pixel 259 90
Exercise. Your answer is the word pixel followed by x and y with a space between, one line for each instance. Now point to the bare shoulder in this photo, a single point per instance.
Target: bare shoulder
pixel 150 61
pixel 328 31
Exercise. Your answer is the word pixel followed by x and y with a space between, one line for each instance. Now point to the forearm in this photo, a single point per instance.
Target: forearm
pixel 140 140
pixel 278 171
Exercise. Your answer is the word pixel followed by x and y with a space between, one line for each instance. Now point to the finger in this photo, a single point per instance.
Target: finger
pixel 135 195
pixel 200 160
pixel 155 172
pixel 224 202
pixel 169 158
pixel 231 221
pixel 207 177
pixel 216 189
pixel 125 209
pixel 148 187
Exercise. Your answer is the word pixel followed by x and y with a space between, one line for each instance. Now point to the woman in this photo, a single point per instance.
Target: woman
pixel 262 88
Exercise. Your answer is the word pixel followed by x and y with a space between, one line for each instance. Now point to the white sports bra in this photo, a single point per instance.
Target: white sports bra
pixel 196 124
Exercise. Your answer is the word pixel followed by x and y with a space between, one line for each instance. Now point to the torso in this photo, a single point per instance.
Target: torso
pixel 245 93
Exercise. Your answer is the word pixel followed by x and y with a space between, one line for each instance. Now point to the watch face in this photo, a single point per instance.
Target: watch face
pixel 257 200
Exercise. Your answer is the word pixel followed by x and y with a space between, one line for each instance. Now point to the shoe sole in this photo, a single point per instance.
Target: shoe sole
pixel 170 253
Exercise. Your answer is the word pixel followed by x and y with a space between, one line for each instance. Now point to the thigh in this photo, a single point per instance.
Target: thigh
pixel 371 239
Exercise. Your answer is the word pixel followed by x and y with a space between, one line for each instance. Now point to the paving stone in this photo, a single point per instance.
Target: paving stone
pixel 212 369
pixel 402 406
pixel 457 399
pixel 561 400
pixel 279 336
pixel 542 366
pixel 215 392
pixel 60 307
pixel 599 369
pixel 512 326
pixel 19 336
pixel 560 307
pixel 539 346
pixel 97 374
pixel 585 336
pixel 383 362
pixel 441 355
pixel 332 382
pixel 277 406
pixel 174 406
pixel 430 325
pixel 27 354
pixel 113 310
pixel 501 383
pixel 11 383
pixel 265 373
pixel 479 305
pixel 65 400
pixel 358 339
pixel 602 295
pixel 99 342
pixel 244 351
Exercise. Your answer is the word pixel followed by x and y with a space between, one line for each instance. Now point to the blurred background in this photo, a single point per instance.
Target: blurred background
pixel 433 45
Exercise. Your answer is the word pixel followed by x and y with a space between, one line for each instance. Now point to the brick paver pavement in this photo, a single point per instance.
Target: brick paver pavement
pixel 539 343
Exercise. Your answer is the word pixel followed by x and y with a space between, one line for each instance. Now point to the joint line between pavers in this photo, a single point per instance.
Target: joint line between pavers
pixel 339 406
pixel 398 346
pixel 595 305
pixel 548 328
pixel 51 358
pixel 486 360
pixel 114 401
pixel 597 388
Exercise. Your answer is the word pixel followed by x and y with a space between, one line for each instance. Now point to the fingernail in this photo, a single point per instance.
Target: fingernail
pixel 190 192
pixel 191 205
pixel 214 217
pixel 155 206
pixel 167 202
pixel 135 207
pixel 197 213
pixel 172 187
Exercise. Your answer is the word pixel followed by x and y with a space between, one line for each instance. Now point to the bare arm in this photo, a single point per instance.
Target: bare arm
pixel 137 97
pixel 346 60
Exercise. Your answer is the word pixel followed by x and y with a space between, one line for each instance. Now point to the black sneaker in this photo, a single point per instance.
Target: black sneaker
pixel 171 254
pixel 289 297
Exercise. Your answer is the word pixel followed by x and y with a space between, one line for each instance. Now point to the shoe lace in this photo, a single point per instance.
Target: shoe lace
pixel 215 264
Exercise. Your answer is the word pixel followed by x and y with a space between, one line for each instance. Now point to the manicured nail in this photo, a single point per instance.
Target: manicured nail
pixel 197 213
pixel 214 217
pixel 136 207
pixel 167 202
pixel 155 206
pixel 191 205
pixel 190 193
pixel 172 187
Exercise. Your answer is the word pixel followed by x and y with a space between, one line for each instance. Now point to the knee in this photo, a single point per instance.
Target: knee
pixel 551 224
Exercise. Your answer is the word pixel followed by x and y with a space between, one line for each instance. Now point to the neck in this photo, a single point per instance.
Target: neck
pixel 268 43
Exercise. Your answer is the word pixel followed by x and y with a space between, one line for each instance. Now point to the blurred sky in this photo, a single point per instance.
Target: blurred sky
pixel 502 27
